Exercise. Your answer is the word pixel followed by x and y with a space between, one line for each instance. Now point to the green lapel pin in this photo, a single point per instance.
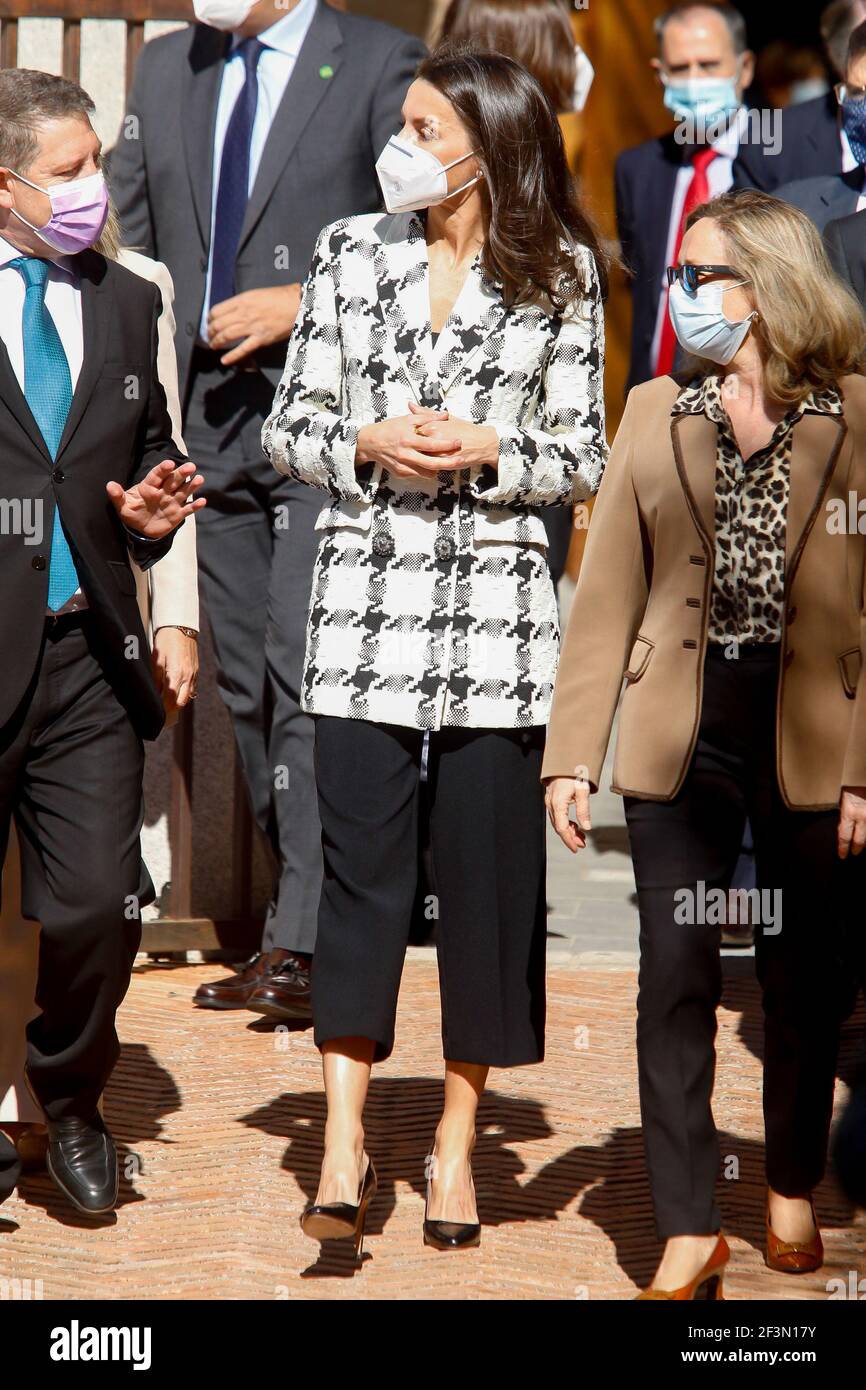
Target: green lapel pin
pixel 326 71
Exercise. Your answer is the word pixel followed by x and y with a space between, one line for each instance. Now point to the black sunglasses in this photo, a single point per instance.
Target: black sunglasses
pixel 690 276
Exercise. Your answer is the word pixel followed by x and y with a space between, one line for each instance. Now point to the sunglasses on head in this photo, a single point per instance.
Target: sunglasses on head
pixel 691 276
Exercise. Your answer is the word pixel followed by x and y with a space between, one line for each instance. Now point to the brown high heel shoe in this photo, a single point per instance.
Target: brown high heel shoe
pixel 794 1257
pixel 707 1284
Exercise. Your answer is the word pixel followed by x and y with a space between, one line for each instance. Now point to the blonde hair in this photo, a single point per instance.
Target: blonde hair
pixel 108 244
pixel 810 328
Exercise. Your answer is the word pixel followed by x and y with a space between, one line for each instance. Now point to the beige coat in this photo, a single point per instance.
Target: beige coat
pixel 167 596
pixel 642 606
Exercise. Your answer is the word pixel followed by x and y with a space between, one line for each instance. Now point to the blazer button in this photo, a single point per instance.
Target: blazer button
pixel 383 544
pixel 39 562
pixel 443 548
pixel 203 263
pixel 190 330
pixel 792 613
pixel 58 475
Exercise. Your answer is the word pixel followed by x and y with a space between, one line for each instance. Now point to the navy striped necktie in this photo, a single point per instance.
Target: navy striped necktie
pixel 234 177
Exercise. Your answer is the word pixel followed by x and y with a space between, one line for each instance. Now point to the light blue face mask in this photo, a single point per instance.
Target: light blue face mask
pixel 704 100
pixel 701 324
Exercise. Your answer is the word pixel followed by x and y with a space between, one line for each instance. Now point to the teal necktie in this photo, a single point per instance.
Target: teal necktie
pixel 48 389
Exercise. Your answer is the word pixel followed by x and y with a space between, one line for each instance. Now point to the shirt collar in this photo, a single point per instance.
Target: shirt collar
pixel 728 142
pixel 703 396
pixel 287 35
pixel 8 253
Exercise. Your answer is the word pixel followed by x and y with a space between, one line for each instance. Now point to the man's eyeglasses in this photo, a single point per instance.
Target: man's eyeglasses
pixel 846 93
pixel 691 276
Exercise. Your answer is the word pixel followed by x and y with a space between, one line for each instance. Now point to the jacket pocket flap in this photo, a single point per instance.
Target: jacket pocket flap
pixel 640 655
pixel 341 513
pixel 849 669
pixel 514 528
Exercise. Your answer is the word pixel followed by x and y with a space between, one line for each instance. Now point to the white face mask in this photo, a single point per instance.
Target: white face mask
pixel 223 14
pixel 701 324
pixel 584 73
pixel 412 178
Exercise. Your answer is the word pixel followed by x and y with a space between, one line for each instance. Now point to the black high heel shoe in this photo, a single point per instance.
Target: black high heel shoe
pixel 450 1235
pixel 337 1220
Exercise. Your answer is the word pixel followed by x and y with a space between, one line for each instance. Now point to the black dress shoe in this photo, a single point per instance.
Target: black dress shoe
pixel 285 995
pixel 82 1160
pixel 235 991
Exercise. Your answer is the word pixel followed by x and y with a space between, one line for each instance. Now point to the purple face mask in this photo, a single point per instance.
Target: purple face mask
pixel 79 211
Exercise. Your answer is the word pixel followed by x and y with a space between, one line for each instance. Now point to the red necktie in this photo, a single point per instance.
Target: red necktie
pixel 697 192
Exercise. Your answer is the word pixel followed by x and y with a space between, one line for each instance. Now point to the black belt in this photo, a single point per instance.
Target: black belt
pixel 58 623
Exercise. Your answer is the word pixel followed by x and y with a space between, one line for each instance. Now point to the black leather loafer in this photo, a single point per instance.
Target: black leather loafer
pixel 82 1161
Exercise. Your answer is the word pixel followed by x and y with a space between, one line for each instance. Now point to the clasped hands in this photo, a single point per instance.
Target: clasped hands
pixel 426 442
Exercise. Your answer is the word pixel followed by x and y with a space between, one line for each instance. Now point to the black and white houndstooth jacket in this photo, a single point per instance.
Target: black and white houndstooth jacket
pixel 432 602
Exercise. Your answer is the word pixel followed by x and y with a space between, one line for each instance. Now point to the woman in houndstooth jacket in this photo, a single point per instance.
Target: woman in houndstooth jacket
pixel 432 608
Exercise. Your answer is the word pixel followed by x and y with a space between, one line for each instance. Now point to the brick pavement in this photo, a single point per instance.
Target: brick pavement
pixel 224 1118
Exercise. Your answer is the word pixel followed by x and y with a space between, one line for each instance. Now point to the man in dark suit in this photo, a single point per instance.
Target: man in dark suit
pixel 809 143
pixel 89 472
pixel 701 47
pixel 237 149
pixel 837 195
pixel 845 240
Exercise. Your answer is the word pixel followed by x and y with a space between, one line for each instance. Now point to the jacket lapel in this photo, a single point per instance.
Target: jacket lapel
pixel 305 89
pixel 15 401
pixel 402 302
pixel 479 310
pixel 814 451
pixel 401 299
pixel 695 439
pixel 96 302
pixel 207 52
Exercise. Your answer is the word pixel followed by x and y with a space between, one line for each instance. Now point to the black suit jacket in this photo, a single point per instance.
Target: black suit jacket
pixel 809 146
pixel 645 178
pixel 340 108
pixel 845 240
pixel 118 428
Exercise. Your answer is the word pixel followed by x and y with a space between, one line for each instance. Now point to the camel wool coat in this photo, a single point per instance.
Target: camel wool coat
pixel 642 606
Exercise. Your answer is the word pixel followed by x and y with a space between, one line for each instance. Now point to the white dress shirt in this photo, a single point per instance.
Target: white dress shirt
pixel 63 302
pixel 282 44
pixel 720 177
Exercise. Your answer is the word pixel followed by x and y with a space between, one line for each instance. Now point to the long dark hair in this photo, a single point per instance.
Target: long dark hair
pixel 535 220
pixel 536 33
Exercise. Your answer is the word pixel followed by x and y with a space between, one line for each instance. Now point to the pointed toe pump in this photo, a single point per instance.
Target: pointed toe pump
pixel 794 1257
pixel 342 1220
pixel 450 1235
pixel 706 1285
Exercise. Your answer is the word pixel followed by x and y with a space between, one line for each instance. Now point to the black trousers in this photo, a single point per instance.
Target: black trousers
pixel 811 901
pixel 71 768
pixel 257 544
pixel 487 836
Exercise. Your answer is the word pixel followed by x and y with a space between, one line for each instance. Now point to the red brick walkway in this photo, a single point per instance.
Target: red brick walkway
pixel 220 1123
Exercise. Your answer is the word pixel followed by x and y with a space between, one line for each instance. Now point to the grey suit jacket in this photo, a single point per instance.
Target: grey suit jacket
pixel 822 199
pixel 341 106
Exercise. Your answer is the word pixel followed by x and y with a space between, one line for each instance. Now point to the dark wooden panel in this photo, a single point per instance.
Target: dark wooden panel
pixel 9 44
pixel 201 934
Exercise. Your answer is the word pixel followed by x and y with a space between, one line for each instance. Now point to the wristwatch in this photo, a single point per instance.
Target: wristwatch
pixel 187 631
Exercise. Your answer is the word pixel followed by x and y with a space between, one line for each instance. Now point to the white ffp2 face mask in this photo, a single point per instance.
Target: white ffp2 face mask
pixel 701 324
pixel 412 178
pixel 223 14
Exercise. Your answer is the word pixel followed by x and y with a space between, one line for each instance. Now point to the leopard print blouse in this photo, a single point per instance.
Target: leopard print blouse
pixel 751 512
